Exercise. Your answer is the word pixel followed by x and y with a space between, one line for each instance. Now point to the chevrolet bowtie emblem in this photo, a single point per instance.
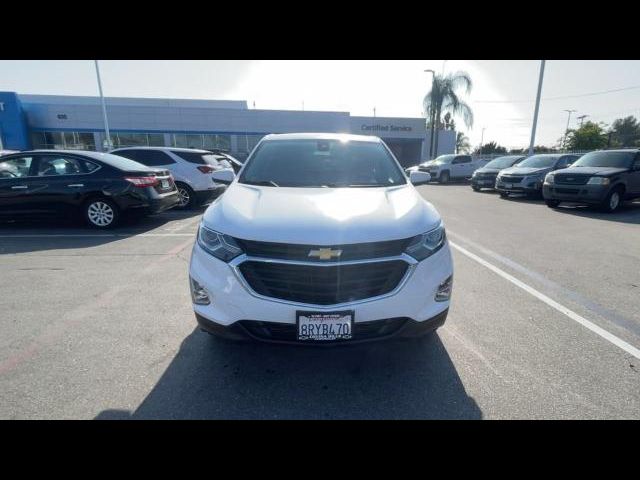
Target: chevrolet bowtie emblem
pixel 325 253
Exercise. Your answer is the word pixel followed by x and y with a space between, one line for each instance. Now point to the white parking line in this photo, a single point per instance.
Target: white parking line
pixel 630 349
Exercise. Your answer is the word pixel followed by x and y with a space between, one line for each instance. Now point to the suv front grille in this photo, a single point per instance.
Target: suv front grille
pixel 323 285
pixel 356 251
pixel 507 179
pixel 286 332
pixel 571 179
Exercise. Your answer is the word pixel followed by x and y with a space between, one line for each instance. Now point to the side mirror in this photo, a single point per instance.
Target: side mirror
pixel 225 175
pixel 419 178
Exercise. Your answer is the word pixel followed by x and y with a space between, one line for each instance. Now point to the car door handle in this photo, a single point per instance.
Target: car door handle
pixel 76 185
pixel 19 187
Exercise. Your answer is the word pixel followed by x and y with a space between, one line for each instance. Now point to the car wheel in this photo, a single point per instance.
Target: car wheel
pixel 503 195
pixel 101 213
pixel 612 201
pixel 476 189
pixel 444 177
pixel 552 203
pixel 186 196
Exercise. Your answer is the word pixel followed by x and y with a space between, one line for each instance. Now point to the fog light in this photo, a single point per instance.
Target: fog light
pixel 444 290
pixel 199 295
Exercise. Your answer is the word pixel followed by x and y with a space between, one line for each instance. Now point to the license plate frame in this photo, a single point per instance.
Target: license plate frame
pixel 307 317
pixel 165 185
pixel 508 185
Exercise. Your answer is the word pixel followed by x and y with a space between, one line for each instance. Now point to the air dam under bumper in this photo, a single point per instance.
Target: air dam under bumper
pixel 232 302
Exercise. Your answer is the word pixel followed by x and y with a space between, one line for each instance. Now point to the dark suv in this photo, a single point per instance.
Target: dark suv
pixel 605 178
pixel 485 177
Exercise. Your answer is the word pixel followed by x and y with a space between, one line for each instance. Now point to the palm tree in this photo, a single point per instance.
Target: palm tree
pixel 462 143
pixel 444 97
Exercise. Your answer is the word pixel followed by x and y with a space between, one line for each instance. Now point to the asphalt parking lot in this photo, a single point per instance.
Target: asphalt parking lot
pixel 544 324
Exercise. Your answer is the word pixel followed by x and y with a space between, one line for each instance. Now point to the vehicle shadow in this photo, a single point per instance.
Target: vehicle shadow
pixel 628 212
pixel 71 233
pixel 213 379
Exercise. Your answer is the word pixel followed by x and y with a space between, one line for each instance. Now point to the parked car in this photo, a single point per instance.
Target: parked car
pixel 605 178
pixel 452 167
pixel 527 176
pixel 485 177
pixel 227 161
pixel 191 169
pixel 99 186
pixel 321 239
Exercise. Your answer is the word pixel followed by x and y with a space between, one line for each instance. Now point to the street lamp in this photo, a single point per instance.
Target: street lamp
pixel 433 76
pixel 535 111
pixel 566 130
pixel 481 140
pixel 104 107
pixel 581 118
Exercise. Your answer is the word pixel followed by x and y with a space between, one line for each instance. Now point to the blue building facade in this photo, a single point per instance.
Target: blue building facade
pixel 76 122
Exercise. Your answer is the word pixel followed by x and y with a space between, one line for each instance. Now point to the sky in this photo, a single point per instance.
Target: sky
pixel 502 98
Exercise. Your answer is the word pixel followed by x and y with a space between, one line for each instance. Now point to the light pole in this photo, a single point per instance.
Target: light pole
pixel 104 108
pixel 535 113
pixel 432 119
pixel 481 140
pixel 566 130
pixel 581 118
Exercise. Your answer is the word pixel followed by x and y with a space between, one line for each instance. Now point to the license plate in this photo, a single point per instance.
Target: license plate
pixel 508 185
pixel 324 326
pixel 164 184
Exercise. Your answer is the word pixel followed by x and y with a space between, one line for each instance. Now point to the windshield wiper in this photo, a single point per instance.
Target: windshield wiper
pixel 262 183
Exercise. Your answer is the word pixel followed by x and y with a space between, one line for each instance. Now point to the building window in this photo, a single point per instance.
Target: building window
pixel 63 140
pixel 132 139
pixel 246 143
pixel 201 141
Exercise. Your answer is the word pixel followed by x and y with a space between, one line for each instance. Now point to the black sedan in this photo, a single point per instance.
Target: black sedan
pixel 485 177
pixel 99 186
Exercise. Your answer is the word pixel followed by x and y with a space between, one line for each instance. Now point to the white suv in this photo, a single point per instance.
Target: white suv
pixel 190 168
pixel 321 239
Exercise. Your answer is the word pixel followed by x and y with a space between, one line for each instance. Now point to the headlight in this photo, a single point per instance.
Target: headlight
pixel 425 245
pixel 474 174
pixel 549 178
pixel 217 244
pixel 599 181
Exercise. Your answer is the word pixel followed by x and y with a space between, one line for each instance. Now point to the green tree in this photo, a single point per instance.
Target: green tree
pixel 589 136
pixel 490 148
pixel 626 132
pixel 462 143
pixel 444 98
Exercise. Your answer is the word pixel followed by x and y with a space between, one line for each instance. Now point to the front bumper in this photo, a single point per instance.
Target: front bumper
pixel 232 301
pixel 285 333
pixel 480 182
pixel 526 186
pixel 590 194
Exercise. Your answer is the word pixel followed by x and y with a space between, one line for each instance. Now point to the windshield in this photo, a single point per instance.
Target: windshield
pixel 444 159
pixel 539 161
pixel 502 162
pixel 606 159
pixel 322 163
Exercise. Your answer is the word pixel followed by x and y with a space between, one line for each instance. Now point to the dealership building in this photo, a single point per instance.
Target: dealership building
pixel 75 122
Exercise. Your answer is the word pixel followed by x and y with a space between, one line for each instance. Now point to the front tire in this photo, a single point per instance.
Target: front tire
pixel 476 189
pixel 444 177
pixel 503 195
pixel 186 195
pixel 612 201
pixel 552 203
pixel 101 213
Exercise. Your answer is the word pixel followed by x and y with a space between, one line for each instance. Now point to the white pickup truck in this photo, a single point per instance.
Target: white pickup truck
pixel 451 167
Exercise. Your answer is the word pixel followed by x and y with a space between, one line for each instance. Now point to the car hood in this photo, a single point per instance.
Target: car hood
pixel 488 170
pixel 321 216
pixel 592 170
pixel 525 170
